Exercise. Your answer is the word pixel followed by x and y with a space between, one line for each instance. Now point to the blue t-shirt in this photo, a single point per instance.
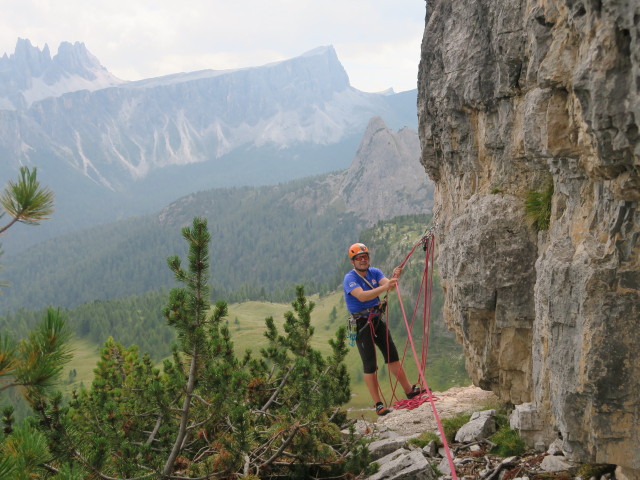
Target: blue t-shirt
pixel 353 280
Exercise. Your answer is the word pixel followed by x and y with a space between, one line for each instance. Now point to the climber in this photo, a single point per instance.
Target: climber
pixel 362 287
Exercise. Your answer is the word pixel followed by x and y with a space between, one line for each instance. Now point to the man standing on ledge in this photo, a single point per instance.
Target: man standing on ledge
pixel 362 287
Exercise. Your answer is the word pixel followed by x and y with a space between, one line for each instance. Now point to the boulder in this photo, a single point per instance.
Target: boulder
pixel 481 425
pixel 404 465
pixel 555 463
pixel 385 446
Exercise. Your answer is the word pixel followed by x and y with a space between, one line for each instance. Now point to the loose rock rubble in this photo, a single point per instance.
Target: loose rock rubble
pixel 471 456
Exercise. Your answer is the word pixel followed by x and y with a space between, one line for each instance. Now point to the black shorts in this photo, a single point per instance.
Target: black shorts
pixel 367 337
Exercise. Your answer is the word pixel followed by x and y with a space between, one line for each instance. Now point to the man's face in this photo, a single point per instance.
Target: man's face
pixel 361 261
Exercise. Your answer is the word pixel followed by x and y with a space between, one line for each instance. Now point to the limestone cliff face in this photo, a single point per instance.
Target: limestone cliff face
pixel 513 94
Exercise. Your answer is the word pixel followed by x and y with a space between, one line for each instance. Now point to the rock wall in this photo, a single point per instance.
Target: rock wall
pixel 514 95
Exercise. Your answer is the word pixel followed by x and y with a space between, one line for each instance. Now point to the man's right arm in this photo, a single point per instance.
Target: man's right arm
pixel 366 295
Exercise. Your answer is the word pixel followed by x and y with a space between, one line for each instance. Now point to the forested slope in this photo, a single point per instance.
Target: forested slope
pixel 264 242
pixel 137 319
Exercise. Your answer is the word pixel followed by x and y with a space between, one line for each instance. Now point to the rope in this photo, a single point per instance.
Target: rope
pixel 428 242
pixel 416 401
pixel 373 343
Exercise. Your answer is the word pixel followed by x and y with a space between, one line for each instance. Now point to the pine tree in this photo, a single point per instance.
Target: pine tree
pixel 207 414
pixel 32 366
pixel 187 311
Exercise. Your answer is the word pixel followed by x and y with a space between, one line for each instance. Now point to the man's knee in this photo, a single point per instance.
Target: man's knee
pixel 369 367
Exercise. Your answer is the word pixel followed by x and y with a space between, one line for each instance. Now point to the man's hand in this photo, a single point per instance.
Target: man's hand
pixel 391 284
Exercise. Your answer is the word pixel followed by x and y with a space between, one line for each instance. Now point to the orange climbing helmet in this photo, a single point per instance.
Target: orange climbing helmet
pixel 356 249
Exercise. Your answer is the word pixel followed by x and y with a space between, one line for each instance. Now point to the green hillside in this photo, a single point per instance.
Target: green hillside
pixel 265 240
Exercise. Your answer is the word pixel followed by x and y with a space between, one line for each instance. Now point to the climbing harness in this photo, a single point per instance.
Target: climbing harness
pixel 370 313
pixel 352 322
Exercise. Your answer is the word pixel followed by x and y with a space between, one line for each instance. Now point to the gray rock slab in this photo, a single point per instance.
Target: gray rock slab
pixel 404 465
pixel 481 425
pixel 555 463
pixel 385 446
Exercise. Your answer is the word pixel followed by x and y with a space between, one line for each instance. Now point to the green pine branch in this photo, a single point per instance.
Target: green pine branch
pixel 26 201
pixel 35 363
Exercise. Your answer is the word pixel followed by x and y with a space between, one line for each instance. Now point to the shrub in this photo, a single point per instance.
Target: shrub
pixel 589 470
pixel 508 443
pixel 537 207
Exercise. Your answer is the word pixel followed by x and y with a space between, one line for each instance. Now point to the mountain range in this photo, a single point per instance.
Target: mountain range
pixel 265 239
pixel 111 148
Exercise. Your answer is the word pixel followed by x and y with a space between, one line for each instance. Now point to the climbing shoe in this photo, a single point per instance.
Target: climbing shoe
pixel 415 391
pixel 381 409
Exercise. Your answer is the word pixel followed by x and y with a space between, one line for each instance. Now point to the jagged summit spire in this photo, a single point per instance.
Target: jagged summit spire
pixel 31 74
pixel 30 59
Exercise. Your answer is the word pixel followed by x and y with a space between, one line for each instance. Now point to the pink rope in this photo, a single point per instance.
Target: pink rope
pixel 427 282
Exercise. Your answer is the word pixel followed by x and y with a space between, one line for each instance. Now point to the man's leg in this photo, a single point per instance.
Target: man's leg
pixel 371 380
pixel 396 369
pixel 366 348
pixel 365 342
pixel 390 353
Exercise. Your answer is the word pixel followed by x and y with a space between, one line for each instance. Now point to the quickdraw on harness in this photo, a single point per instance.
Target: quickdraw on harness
pixel 352 330
pixel 369 314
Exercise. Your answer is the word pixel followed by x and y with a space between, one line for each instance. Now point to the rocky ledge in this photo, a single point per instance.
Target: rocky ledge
pixel 398 458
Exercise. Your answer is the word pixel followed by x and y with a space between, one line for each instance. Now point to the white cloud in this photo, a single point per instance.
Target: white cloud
pixel 377 41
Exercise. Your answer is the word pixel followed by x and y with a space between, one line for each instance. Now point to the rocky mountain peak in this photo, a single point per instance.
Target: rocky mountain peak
pixel 31 74
pixel 160 138
pixel 382 170
pixel 140 127
pixel 29 59
pixel 329 60
pixel 76 59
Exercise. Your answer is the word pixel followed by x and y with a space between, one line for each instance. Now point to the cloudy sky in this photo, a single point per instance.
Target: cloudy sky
pixel 377 41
